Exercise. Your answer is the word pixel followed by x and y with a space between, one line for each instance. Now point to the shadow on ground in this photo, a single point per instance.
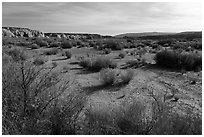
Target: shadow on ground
pixel 93 89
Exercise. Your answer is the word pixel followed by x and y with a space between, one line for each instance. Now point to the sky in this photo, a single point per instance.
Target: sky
pixel 109 18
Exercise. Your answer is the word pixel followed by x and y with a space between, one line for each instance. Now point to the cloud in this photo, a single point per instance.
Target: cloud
pixel 104 18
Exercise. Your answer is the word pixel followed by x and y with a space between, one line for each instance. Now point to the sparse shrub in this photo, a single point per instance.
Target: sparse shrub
pixel 17 54
pixel 107 51
pixel 54 44
pixel 126 76
pixel 54 64
pixel 38 61
pixel 68 54
pixel 24 44
pixel 67 44
pixel 85 63
pixel 53 51
pixel 113 44
pixel 173 59
pixel 34 101
pixel 41 42
pixel 108 76
pixel 78 42
pixel 34 46
pixel 98 63
pixel 121 54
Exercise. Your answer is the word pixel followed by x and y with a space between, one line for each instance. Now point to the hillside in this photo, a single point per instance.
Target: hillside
pixel 142 34
pixel 161 35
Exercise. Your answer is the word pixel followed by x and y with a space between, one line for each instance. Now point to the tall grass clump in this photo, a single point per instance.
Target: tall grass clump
pixel 127 76
pixel 175 60
pixel 108 76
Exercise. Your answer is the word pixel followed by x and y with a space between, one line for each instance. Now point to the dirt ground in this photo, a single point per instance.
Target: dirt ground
pixel 186 86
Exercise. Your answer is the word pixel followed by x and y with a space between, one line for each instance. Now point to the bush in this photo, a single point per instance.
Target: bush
pixel 126 76
pixel 113 44
pixel 38 61
pixel 34 46
pixel 68 54
pixel 172 59
pixel 41 42
pixel 32 101
pixel 108 76
pixel 121 54
pixel 55 44
pixel 107 51
pixel 96 64
pixel 53 51
pixel 66 45
pixel 17 54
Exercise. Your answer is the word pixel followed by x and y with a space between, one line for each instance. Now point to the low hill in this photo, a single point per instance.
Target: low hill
pixel 142 34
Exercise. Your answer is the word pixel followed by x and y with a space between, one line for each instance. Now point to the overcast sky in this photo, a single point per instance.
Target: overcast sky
pixel 104 18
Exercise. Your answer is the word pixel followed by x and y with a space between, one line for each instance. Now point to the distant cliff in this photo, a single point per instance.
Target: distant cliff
pixel 26 32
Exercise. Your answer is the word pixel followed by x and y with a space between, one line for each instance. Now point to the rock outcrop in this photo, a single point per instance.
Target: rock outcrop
pixel 26 32
pixel 20 32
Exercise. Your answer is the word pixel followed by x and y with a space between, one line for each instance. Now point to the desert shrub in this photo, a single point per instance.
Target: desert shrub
pixel 24 44
pixel 154 46
pixel 173 59
pixel 121 54
pixel 85 63
pixel 92 44
pixel 133 45
pixel 98 63
pixel 66 44
pixel 17 54
pixel 54 44
pixel 54 64
pixel 38 61
pixel 41 42
pixel 32 101
pixel 34 46
pixel 108 76
pixel 68 54
pixel 53 51
pixel 138 118
pixel 78 42
pixel 107 51
pixel 126 76
pixel 113 44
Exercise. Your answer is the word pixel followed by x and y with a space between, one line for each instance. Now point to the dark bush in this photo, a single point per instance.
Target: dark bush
pixel 41 42
pixel 55 44
pixel 68 54
pixel 17 54
pixel 121 54
pixel 173 59
pixel 34 46
pixel 53 51
pixel 107 51
pixel 38 61
pixel 67 44
pixel 113 44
